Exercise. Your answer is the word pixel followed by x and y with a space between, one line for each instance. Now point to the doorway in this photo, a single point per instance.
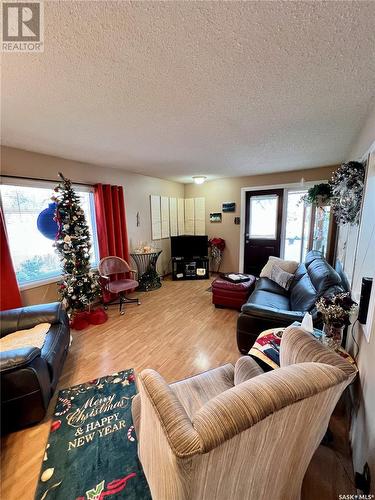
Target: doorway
pixel 263 223
pixel 279 223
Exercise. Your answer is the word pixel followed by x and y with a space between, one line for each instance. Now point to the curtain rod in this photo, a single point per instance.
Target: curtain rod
pixel 45 180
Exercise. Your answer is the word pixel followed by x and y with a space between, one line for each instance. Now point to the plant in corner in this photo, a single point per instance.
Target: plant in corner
pixel 80 286
pixel 318 195
pixel 217 246
pixel 335 311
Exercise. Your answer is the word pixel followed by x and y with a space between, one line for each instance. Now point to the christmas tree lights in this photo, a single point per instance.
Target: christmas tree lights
pixel 80 285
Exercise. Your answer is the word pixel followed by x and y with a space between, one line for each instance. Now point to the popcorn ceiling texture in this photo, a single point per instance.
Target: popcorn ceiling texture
pixel 175 89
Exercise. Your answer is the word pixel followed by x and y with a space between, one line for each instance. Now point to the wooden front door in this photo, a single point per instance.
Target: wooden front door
pixel 263 222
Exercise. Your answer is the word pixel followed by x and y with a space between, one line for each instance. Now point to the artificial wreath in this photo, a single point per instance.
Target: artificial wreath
pixel 347 190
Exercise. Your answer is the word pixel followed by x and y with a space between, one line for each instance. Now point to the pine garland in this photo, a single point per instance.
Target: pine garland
pixel 347 185
pixel 80 286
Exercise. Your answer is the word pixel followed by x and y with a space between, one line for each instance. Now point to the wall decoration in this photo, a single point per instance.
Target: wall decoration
pixel 173 216
pixel 215 217
pixel 189 216
pixel 199 216
pixel 237 221
pixel 180 216
pixel 138 219
pixel 155 217
pixel 46 222
pixel 164 211
pixel 229 206
pixel 347 191
pixel 177 216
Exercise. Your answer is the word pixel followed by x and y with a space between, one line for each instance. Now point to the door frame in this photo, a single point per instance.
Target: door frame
pixel 285 187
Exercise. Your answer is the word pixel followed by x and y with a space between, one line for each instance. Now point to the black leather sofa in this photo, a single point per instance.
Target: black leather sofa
pixel 29 375
pixel 271 306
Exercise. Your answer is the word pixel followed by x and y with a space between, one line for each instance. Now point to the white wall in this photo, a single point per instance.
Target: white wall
pixel 362 432
pixel 356 250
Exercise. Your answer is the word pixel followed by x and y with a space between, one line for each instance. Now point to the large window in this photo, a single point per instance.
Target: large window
pixel 33 254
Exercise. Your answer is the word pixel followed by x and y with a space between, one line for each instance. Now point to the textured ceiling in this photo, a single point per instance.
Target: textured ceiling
pixel 175 89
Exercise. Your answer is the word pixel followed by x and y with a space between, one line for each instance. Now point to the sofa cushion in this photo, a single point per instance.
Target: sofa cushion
pixel 282 278
pixel 289 266
pixel 322 275
pixel 196 391
pixel 245 369
pixel 300 272
pixel 263 298
pixel 303 295
pixel 267 285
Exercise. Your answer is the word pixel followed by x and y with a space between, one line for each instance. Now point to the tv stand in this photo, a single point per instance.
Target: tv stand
pixel 195 268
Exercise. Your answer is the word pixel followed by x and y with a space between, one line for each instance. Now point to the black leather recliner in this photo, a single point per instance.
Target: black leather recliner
pixel 271 306
pixel 29 375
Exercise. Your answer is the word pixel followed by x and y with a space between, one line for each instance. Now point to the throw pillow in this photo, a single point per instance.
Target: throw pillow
pixel 281 277
pixel 290 266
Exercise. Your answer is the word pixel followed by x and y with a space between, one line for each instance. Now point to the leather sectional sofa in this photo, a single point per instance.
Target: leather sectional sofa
pixel 271 306
pixel 29 375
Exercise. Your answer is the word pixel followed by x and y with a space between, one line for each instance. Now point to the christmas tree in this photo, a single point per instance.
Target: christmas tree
pixel 80 286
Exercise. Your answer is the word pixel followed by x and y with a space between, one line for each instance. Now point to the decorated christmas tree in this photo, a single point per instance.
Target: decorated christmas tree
pixel 79 286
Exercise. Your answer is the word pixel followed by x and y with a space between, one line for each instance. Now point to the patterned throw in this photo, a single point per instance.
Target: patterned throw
pixel 266 348
pixel 92 450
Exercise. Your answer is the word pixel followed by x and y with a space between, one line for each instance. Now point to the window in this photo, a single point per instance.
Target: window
pixel 33 254
pixel 297 229
pixel 263 217
pixel 307 227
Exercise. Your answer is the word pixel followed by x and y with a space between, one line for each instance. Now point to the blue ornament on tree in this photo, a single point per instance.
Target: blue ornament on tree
pixel 46 223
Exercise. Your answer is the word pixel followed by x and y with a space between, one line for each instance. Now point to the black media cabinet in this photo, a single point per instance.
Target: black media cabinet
pixel 196 268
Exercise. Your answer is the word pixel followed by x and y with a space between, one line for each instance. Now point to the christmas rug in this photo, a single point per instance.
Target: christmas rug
pixel 92 450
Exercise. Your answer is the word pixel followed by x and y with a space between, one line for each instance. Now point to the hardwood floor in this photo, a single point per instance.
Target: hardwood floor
pixel 178 332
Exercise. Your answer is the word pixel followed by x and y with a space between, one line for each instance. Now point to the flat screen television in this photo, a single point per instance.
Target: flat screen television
pixel 189 247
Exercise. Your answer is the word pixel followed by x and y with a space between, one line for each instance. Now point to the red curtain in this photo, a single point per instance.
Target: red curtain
pixel 111 222
pixel 10 297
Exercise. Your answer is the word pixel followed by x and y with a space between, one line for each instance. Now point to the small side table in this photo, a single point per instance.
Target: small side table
pixel 148 277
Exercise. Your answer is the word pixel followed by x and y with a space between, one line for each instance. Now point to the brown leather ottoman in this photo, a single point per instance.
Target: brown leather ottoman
pixel 233 295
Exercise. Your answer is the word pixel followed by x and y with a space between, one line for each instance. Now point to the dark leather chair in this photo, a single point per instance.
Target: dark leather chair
pixel 29 375
pixel 271 306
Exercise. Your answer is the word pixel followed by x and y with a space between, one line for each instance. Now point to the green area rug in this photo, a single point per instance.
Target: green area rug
pixel 92 448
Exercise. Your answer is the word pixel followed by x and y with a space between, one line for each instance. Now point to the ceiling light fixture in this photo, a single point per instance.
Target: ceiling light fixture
pixel 199 179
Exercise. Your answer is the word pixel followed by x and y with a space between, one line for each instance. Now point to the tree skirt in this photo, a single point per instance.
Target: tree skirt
pixel 92 449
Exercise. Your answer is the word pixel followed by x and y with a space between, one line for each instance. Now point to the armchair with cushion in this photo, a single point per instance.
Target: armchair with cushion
pixel 271 306
pixel 236 432
pixel 29 375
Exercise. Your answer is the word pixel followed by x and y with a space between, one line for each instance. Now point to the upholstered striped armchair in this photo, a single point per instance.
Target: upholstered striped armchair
pixel 235 432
